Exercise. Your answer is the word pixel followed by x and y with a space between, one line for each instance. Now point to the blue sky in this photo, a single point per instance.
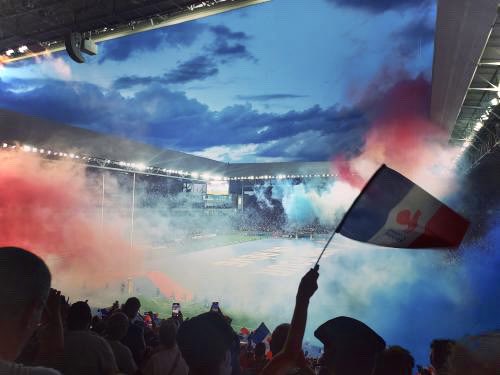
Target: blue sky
pixel 278 81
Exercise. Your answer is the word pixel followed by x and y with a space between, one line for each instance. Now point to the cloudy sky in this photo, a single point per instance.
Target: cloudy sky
pixel 286 80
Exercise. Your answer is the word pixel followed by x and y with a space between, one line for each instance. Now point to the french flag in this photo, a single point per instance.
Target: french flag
pixel 392 211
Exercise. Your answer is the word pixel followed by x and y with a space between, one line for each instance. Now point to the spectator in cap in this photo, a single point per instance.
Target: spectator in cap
pixel 205 342
pixel 85 352
pixel 395 360
pixel 350 346
pixel 24 292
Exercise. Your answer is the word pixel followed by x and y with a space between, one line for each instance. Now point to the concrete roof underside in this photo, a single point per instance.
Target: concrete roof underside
pixel 463 29
pixel 37 132
pixel 41 26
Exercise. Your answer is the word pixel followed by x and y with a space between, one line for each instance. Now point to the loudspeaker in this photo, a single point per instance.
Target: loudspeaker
pixel 73 43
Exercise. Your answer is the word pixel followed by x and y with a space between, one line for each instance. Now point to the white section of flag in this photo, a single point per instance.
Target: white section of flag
pixel 394 234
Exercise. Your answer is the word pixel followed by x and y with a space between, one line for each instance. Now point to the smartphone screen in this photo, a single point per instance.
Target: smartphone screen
pixel 176 309
pixel 215 307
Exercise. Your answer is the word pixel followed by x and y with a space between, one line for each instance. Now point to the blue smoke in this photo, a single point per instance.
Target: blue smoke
pixel 412 297
pixel 409 296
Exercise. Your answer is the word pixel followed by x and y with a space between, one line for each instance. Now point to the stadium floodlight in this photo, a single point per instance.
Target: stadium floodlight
pixel 478 126
pixel 494 101
pixel 141 167
pixel 23 49
pixel 467 143
pixel 72 156
pixel 9 52
pixel 5 145
pixel 484 117
pixel 26 148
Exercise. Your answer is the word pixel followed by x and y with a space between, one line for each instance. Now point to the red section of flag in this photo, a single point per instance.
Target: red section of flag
pixel 446 226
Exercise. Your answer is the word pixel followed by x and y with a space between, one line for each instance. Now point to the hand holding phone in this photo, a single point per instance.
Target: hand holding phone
pixel 176 309
pixel 215 307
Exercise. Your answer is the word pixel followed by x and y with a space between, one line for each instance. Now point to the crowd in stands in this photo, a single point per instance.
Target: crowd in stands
pixel 41 333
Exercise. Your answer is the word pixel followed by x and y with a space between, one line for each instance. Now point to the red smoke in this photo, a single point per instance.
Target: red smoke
pixel 401 136
pixel 50 208
pixel 168 286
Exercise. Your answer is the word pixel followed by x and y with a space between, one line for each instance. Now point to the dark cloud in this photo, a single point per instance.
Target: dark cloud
pixel 169 119
pixel 415 35
pixel 225 32
pixel 196 69
pixel 268 97
pixel 126 82
pixel 379 6
pixel 180 35
pixel 229 45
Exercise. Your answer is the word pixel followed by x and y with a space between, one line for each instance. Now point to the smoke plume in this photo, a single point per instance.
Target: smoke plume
pixel 402 136
pixel 50 208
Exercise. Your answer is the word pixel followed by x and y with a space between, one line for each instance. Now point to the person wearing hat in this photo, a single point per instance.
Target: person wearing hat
pixel 350 346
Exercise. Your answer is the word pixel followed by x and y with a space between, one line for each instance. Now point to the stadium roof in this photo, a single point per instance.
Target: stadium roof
pixel 34 131
pixel 465 87
pixel 33 27
pixel 16 128
pixel 311 169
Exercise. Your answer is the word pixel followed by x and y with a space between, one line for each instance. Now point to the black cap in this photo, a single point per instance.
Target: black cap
pixel 350 337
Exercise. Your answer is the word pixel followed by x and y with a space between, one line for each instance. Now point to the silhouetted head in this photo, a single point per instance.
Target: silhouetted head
pixel 278 338
pixel 131 307
pixel 350 346
pixel 205 343
pixel 395 360
pixel 79 316
pixel 24 288
pixel 117 326
pixel 440 352
pixel 168 333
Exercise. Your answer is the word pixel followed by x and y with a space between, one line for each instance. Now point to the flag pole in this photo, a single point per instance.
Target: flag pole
pixel 341 222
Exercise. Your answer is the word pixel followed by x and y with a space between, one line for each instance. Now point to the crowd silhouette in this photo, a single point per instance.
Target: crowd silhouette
pixel 42 333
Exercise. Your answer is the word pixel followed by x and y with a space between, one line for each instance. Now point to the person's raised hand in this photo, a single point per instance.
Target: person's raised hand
pixel 52 311
pixel 309 284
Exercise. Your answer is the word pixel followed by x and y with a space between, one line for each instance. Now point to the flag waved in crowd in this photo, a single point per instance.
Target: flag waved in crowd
pixel 393 211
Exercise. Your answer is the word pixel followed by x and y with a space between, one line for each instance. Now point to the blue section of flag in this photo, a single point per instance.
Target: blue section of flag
pixel 259 334
pixel 369 212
